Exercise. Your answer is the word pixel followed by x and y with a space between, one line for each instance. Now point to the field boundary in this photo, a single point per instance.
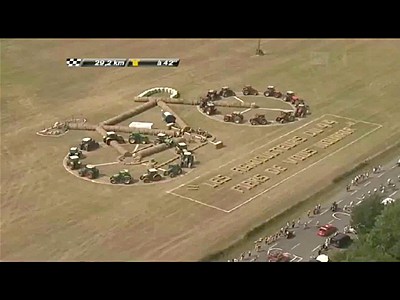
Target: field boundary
pixel 377 126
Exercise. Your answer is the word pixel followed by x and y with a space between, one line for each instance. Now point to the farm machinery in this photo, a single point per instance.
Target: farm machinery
pixel 112 136
pixel 226 92
pixel 290 97
pixel 88 144
pixel 162 138
pixel 73 162
pixel 151 175
pixel 249 90
pixel 137 138
pixel 173 170
pixel 74 151
pixel 122 176
pixel 187 159
pixel 285 117
pixel 89 171
pixel 301 111
pixel 180 148
pixel 235 117
pixel 208 107
pixel 258 120
pixel 272 92
pixel 213 95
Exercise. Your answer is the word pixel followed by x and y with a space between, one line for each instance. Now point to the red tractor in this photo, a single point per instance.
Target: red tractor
pixel 290 97
pixel 301 111
pixel 249 90
pixel 272 92
pixel 235 117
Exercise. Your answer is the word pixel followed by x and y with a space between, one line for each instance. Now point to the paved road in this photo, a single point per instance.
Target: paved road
pixel 306 242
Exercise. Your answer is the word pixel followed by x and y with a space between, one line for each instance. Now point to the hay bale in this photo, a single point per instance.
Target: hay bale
pixel 218 145
pixel 130 113
pixel 156 149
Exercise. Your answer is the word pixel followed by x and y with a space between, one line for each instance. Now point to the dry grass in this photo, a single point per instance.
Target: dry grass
pixel 46 214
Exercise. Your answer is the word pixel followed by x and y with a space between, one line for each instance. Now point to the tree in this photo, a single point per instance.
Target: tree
pixel 385 235
pixel 364 215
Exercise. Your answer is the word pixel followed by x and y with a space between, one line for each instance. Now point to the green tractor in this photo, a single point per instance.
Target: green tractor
pixel 122 177
pixel 73 162
pixel 89 171
pixel 151 175
pixel 74 151
pixel 112 136
pixel 173 170
pixel 137 138
pixel 163 138
pixel 187 159
pixel 180 147
pixel 88 144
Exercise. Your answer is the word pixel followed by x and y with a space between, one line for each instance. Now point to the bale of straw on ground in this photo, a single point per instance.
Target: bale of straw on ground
pixel 81 126
pixel 128 129
pixel 182 124
pixel 130 113
pixel 156 149
pixel 167 100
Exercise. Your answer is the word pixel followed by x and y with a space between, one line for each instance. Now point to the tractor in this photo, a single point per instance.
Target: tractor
pixel 73 162
pixel 212 95
pixel 258 120
pixel 187 159
pixel 249 90
pixel 74 151
pixel 151 175
pixel 137 138
pixel 88 144
pixel 209 108
pixel 112 136
pixel 162 138
pixel 173 171
pixel 290 97
pixel 180 147
pixel 285 117
pixel 226 92
pixel 89 171
pixel 272 92
pixel 301 111
pixel 122 177
pixel 235 117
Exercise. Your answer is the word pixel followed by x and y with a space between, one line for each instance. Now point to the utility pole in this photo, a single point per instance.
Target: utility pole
pixel 258 50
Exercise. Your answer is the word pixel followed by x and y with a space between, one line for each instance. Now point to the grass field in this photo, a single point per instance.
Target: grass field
pixel 47 214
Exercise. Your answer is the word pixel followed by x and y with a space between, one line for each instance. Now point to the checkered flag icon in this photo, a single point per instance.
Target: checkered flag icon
pixel 73 62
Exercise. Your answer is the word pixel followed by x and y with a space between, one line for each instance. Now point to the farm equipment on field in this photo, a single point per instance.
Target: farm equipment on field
pixel 88 144
pixel 208 108
pixel 122 177
pixel 89 171
pixel 285 117
pixel 288 96
pixel 272 92
pixel 151 175
pixel 187 159
pixel 181 147
pixel 112 136
pixel 235 117
pixel 301 111
pixel 73 162
pixel 212 95
pixel 137 138
pixel 258 120
pixel 226 92
pixel 173 170
pixel 249 90
pixel 162 138
pixel 74 151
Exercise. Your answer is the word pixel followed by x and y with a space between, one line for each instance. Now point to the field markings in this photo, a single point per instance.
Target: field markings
pixel 107 164
pixel 392 194
pixel 380 175
pixel 238 99
pixel 324 212
pixel 295 246
pixel 378 126
pixel 393 167
pixel 359 202
pixel 304 169
pixel 250 152
pixel 340 201
pixel 331 221
pixel 245 111
pixel 355 120
pixel 367 183
pixel 352 193
pixel 315 249
pixel 334 215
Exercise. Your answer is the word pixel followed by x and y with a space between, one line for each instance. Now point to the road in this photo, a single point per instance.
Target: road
pixel 306 242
